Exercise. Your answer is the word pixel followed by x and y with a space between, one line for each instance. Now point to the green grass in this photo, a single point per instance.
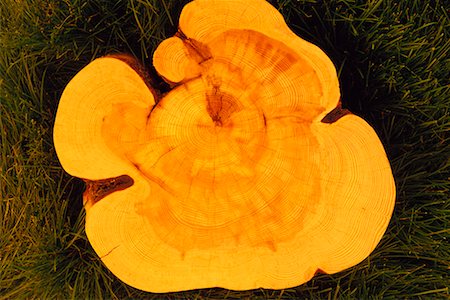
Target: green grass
pixel 394 68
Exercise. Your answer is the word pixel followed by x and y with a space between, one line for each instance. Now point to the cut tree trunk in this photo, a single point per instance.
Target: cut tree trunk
pixel 247 174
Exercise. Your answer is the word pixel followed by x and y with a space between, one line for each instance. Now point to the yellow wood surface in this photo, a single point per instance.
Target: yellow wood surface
pixel 236 182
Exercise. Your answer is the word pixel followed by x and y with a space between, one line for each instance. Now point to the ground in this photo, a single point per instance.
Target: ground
pixel 393 63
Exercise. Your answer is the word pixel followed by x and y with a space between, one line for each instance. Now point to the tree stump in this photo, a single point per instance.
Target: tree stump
pixel 247 174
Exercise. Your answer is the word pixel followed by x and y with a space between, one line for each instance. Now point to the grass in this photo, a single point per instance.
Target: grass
pixel 394 68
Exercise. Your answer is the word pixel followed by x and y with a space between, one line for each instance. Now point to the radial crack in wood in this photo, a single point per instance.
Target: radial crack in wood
pixel 335 115
pixel 99 189
pixel 248 173
pixel 197 51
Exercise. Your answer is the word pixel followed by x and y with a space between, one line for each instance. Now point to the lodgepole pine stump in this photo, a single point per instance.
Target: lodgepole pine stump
pixel 246 174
